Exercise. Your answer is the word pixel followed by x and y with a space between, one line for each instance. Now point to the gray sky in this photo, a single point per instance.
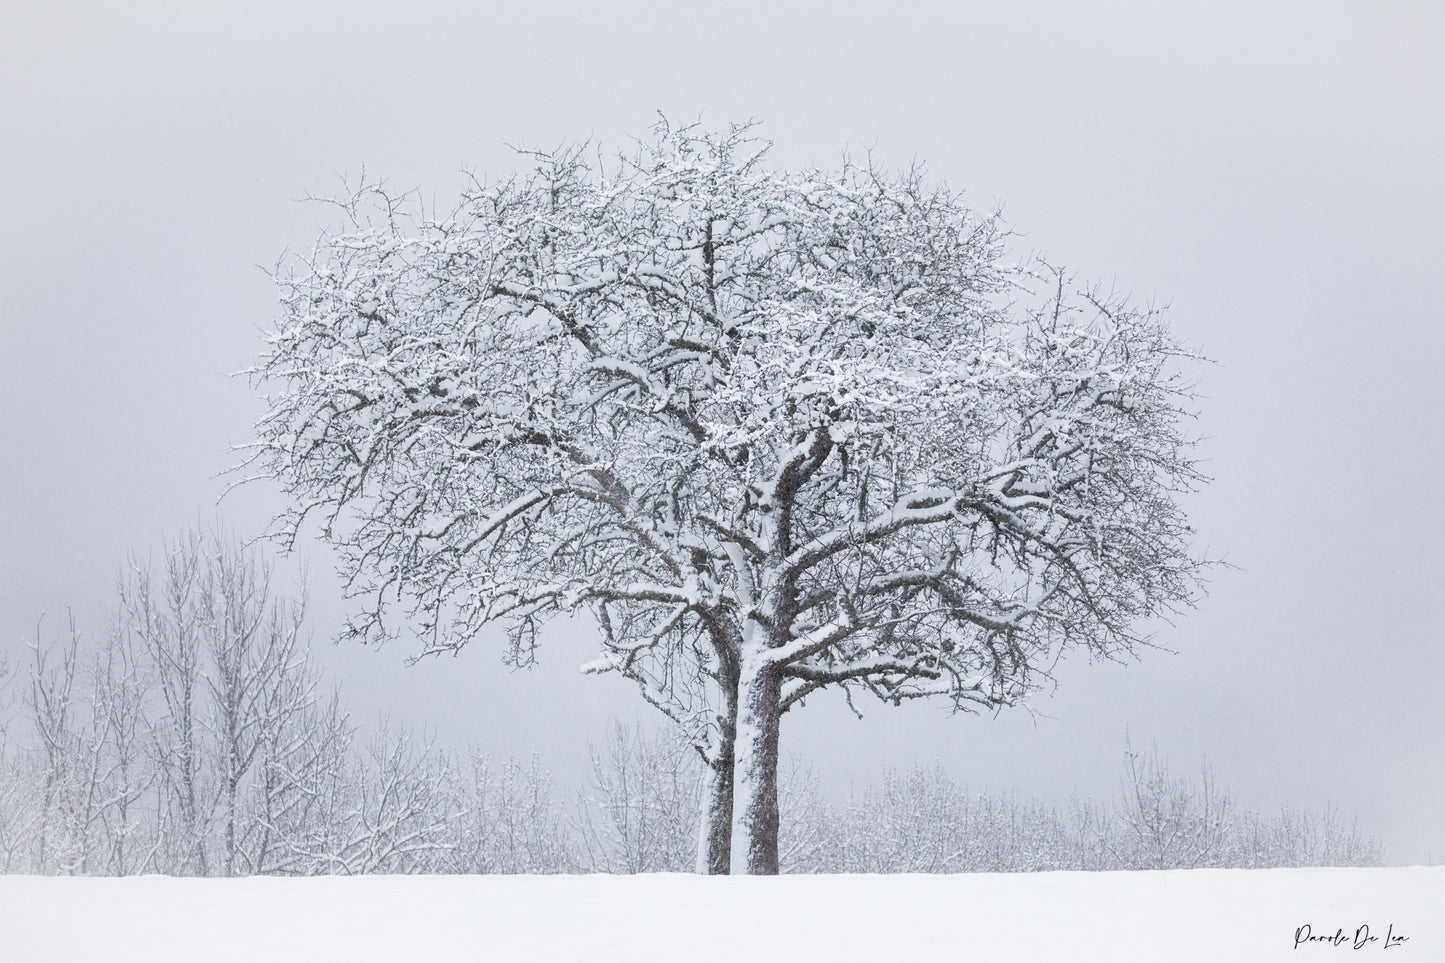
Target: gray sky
pixel 1270 169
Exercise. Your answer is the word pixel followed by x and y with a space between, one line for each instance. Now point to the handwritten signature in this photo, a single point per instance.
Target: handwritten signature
pixel 1361 938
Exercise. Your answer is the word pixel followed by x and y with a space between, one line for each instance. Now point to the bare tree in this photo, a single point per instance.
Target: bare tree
pixel 68 753
pixel 393 817
pixel 19 807
pixel 1171 821
pixel 638 811
pixel 1303 837
pixel 924 822
pixel 1091 835
pixel 214 665
pixel 776 432
pixel 161 613
pixel 120 778
pixel 258 681
pixel 507 820
pixel 302 782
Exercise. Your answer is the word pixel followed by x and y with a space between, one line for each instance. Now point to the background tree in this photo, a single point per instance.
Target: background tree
pixel 1172 821
pixel 189 737
pixel 507 820
pixel 775 431
pixel 637 812
pixel 69 753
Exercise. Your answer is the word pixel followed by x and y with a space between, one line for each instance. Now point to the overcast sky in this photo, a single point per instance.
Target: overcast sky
pixel 1269 169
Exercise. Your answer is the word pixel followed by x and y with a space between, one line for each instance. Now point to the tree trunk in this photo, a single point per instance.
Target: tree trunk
pixel 715 833
pixel 232 792
pixel 755 778
pixel 715 842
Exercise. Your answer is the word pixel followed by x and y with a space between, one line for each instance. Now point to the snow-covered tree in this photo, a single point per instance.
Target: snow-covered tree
pixel 506 819
pixel 1172 821
pixel 775 431
pixel 637 813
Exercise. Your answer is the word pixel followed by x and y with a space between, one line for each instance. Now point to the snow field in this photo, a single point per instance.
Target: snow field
pixel 1180 916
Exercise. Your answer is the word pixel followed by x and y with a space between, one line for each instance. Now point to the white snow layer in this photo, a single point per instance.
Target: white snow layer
pixel 1181 916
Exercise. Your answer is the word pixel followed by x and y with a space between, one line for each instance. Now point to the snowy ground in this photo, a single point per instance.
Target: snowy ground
pixel 1214 915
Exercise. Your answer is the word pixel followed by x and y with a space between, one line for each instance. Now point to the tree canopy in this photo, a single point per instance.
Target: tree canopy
pixel 775 431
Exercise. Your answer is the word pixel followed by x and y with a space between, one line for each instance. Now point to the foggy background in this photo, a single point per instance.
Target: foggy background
pixel 1269 169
